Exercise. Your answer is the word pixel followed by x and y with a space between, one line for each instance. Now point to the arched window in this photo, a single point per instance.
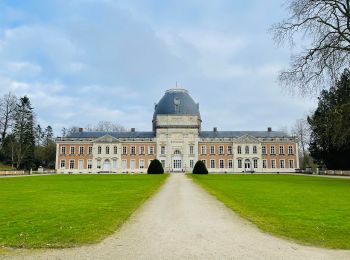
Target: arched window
pixel 239 149
pixel 177 152
pixel 247 149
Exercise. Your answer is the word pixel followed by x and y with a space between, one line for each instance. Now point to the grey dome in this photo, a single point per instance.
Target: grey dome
pixel 176 102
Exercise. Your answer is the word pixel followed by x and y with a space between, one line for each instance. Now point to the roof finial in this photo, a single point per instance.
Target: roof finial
pixel 176 84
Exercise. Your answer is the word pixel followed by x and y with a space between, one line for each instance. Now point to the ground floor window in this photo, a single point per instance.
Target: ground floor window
pixel 239 163
pixel 132 165
pixel 273 164
pixel 291 163
pixel 63 164
pixel 191 163
pixel 123 165
pixel 222 164
pixel 177 164
pixel 163 163
pixel 255 163
pixel 114 163
pixel 230 164
pixel 281 164
pixel 212 164
pixel 142 164
pixel 71 164
pixel 98 164
pixel 89 164
pixel 80 164
pixel 264 164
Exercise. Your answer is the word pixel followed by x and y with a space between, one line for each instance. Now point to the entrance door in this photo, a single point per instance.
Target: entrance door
pixel 107 166
pixel 247 165
pixel 177 164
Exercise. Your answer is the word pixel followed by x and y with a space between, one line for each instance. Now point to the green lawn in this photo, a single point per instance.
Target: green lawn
pixel 310 210
pixel 69 210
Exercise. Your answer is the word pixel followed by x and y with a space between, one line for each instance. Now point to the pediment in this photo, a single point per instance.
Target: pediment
pixel 106 139
pixel 247 139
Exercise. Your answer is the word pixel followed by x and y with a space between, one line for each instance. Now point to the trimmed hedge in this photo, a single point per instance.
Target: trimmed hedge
pixel 155 167
pixel 199 168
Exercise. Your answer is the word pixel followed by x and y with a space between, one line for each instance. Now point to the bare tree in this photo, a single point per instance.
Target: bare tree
pixel 324 26
pixel 7 114
pixel 301 130
pixel 106 126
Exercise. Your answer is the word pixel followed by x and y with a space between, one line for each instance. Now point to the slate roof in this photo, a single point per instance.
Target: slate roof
pixel 114 134
pixel 235 134
pixel 176 102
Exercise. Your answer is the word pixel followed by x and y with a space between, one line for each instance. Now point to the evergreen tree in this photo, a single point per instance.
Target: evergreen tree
pixel 330 126
pixel 48 135
pixel 200 168
pixel 24 134
pixel 155 167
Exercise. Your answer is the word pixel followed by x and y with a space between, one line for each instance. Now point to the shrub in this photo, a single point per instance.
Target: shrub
pixel 155 167
pixel 199 168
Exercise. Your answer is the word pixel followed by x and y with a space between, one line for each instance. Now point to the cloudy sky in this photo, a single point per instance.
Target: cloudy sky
pixel 84 61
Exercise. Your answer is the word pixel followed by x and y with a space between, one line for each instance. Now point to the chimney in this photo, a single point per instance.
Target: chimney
pixel 215 129
pixel 80 129
pixel 133 129
pixel 269 129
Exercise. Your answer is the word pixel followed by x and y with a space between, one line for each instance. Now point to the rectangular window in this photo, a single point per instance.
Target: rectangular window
pixel 89 165
pixel 230 164
pixel 239 163
pixel 212 149
pixel 124 166
pixel 291 164
pixel 255 150
pixel 72 150
pixel 107 149
pixel 229 149
pixel 71 164
pixel 191 149
pixel 212 163
pixel 81 150
pixel 132 165
pixel 239 149
pixel 191 163
pixel 204 149
pixel 98 164
pixel 247 149
pixel 273 164
pixel 124 151
pixel 63 150
pixel 142 150
pixel 133 150
pixel 281 164
pixel 114 164
pixel 163 163
pixel 150 150
pixel 90 150
pixel 222 164
pixel 142 164
pixel 63 164
pixel 264 164
pixel 221 149
pixel 115 149
pixel 99 149
pixel 205 162
pixel 263 150
pixel 255 163
pixel 290 149
pixel 281 149
pixel 162 150
pixel 80 164
pixel 272 149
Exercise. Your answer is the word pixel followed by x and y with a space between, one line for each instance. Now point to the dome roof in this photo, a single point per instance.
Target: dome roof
pixel 176 102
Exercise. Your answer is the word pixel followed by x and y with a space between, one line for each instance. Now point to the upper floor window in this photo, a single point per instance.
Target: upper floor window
pixel 81 150
pixel 63 150
pixel 204 149
pixel 247 149
pixel 133 150
pixel 142 150
pixel 281 149
pixel 229 149
pixel 90 149
pixel 290 149
pixel 212 149
pixel 221 149
pixel 107 149
pixel 162 149
pixel 124 150
pixel 191 149
pixel 239 149
pixel 263 149
pixel 99 149
pixel 272 149
pixel 72 150
pixel 115 149
pixel 255 150
pixel 177 152
pixel 150 150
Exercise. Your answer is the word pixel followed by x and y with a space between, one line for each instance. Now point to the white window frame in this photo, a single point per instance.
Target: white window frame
pixel 282 164
pixel 99 149
pixel 239 163
pixel 212 163
pixel 221 149
pixel 107 149
pixel 255 149
pixel 212 149
pixel 230 164
pixel 291 164
pixel 273 164
pixel 290 150
pixel 63 150
pixel 89 164
pixel 263 150
pixel 255 163
pixel 272 150
pixel 63 164
pixel 246 149
pixel 90 150
pixel 124 150
pixel 71 164
pixel 115 149
pixel 281 149
pixel 133 150
pixel 141 163
pixel 229 149
pixel 72 150
pixel 222 164
pixel 239 149
pixel 204 149
pixel 264 164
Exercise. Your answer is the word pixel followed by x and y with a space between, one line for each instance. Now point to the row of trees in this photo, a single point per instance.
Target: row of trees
pixel 23 143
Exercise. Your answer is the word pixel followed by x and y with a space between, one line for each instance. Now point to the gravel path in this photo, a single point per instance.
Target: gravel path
pixel 182 221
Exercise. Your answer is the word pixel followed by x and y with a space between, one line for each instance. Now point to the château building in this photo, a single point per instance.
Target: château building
pixel 177 141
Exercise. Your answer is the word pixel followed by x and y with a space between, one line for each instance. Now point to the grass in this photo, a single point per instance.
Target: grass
pixel 310 210
pixel 69 210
